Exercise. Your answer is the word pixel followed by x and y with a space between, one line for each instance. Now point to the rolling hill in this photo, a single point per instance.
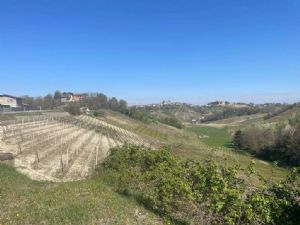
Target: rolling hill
pixel 70 193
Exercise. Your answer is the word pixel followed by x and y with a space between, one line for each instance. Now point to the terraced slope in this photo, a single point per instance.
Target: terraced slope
pixel 61 148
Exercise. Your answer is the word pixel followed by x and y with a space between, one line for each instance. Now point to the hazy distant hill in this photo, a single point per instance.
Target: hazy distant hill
pixel 212 111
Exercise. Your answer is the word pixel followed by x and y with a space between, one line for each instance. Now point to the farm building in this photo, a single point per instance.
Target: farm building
pixel 79 97
pixel 10 103
pixel 66 97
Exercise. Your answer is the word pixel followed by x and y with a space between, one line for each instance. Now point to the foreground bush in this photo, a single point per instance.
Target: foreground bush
pixel 190 192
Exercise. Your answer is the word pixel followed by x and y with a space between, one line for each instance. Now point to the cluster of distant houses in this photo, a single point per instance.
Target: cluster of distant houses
pixel 10 103
pixel 68 97
pixel 163 103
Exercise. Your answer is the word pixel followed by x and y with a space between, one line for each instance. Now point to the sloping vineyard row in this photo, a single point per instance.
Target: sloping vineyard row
pixel 61 148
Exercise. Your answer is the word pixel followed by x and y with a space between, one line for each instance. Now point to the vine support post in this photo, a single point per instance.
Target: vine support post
pixel 67 161
pixel 37 156
pixel 20 148
pixel 97 152
pixel 61 163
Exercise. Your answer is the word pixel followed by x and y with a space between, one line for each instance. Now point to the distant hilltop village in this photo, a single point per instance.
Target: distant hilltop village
pixel 163 103
pixel 211 104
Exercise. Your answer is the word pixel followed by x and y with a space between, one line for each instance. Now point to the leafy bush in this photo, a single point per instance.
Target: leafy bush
pixel 192 192
pixel 172 121
pixel 73 109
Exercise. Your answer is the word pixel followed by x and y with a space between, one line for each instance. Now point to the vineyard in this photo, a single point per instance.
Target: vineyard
pixel 59 147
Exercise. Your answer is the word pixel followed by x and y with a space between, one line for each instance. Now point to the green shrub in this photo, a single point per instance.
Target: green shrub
pixel 73 109
pixel 172 121
pixel 192 192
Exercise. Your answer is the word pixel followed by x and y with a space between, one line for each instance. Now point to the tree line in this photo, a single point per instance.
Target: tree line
pixel 231 112
pixel 275 143
pixel 213 111
pixel 93 101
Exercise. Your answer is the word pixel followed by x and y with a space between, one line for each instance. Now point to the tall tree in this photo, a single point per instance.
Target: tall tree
pixel 123 106
pixel 57 95
pixel 113 103
pixel 48 102
pixel 101 100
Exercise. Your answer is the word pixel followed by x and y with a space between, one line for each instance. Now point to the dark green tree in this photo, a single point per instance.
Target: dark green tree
pixel 113 103
pixel 48 102
pixel 57 95
pixel 123 106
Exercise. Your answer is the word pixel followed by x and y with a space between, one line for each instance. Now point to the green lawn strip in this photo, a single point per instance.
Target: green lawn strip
pixel 214 137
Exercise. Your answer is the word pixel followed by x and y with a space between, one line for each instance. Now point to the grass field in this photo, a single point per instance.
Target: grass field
pixel 218 146
pixel 24 201
pixel 216 137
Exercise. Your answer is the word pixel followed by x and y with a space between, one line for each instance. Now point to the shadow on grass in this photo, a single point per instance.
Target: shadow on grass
pixel 145 202
pixel 229 144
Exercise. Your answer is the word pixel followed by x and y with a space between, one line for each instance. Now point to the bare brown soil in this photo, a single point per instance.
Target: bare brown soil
pixel 61 148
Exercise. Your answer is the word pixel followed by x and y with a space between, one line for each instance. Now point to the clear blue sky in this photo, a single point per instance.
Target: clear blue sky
pixel 149 50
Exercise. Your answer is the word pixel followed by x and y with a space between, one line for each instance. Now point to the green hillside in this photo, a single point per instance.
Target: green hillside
pixel 24 201
pixel 284 115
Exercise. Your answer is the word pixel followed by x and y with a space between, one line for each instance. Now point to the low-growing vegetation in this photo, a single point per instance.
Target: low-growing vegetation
pixel 24 201
pixel 194 192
